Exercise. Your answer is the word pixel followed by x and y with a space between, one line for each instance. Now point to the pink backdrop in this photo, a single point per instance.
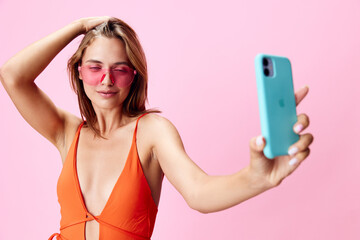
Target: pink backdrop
pixel 200 56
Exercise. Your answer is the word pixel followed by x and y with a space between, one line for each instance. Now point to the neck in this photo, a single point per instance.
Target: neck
pixel 109 120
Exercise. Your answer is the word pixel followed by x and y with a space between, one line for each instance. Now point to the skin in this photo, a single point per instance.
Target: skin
pixel 159 145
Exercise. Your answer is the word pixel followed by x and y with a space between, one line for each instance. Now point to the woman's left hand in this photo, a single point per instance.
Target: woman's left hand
pixel 273 171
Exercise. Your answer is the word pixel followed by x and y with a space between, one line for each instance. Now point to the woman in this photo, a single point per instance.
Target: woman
pixel 105 190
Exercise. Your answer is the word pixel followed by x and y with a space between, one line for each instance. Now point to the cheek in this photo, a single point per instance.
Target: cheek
pixel 125 92
pixel 89 90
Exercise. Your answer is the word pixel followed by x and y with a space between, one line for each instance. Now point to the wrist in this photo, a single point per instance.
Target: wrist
pixel 257 181
pixel 79 25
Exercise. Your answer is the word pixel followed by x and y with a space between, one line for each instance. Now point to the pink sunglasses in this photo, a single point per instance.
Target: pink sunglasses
pixel 122 76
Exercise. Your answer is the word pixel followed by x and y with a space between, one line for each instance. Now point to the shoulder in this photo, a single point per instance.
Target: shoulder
pixel 154 122
pixel 158 128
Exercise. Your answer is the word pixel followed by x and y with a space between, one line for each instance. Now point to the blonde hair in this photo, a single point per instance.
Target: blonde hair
pixel 134 104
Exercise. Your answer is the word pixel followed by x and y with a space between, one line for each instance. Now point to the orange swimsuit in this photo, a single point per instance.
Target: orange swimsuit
pixel 129 213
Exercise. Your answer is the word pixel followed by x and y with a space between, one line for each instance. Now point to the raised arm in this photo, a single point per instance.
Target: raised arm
pixel 207 193
pixel 19 73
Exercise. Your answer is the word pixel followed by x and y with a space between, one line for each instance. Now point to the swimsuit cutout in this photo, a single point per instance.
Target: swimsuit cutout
pixel 129 213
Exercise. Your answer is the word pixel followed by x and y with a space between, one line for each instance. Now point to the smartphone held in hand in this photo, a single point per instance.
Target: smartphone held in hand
pixel 277 104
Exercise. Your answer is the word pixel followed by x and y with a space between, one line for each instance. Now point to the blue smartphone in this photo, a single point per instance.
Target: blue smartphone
pixel 277 104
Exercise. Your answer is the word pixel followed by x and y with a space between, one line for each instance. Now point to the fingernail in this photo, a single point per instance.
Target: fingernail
pixel 293 150
pixel 298 128
pixel 259 141
pixel 292 161
pixel 305 86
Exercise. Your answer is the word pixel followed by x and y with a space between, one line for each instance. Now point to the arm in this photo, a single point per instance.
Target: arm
pixel 19 73
pixel 201 191
pixel 214 193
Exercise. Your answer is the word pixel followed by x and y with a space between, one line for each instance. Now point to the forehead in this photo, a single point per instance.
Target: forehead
pixel 106 50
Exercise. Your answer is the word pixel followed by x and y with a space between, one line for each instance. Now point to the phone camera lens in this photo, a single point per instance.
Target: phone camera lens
pixel 266 72
pixel 265 62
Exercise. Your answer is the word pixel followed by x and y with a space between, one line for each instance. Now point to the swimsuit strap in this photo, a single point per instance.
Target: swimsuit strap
pixel 137 121
pixel 79 128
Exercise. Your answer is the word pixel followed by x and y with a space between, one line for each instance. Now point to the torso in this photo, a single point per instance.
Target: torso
pixel 101 161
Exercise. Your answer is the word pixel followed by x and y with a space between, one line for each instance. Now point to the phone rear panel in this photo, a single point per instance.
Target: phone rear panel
pixel 276 103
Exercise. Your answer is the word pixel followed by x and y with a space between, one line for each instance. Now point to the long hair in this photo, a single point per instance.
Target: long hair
pixel 134 104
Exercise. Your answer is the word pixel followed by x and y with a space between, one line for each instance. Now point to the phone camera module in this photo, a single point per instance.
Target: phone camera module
pixel 265 62
pixel 268 68
pixel 266 72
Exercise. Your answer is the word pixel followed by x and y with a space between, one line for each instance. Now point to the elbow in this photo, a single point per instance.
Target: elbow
pixel 3 71
pixel 196 203
pixel 200 209
pixel 1 76
pixel 197 197
pixel 203 211
pixel 8 79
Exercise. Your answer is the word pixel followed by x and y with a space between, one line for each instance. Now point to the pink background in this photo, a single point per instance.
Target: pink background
pixel 201 67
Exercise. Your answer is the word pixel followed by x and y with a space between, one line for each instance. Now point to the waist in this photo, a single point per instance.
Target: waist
pixel 107 231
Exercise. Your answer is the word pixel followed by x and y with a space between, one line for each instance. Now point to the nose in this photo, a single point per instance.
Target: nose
pixel 107 79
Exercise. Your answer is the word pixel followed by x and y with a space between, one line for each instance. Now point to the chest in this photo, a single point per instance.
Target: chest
pixel 101 162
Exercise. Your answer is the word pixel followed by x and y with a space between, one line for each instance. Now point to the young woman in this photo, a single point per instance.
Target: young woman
pixel 113 162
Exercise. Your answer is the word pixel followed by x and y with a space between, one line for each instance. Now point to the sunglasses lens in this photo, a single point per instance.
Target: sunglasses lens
pixel 121 76
pixel 91 74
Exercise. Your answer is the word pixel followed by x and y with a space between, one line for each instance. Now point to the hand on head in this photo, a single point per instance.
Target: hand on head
pixel 91 22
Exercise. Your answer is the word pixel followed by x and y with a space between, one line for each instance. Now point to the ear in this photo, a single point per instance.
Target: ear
pixel 79 70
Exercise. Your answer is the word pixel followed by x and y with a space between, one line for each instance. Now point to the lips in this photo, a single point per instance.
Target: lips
pixel 107 94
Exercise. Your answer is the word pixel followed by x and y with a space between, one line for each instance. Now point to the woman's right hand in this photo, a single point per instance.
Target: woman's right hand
pixel 91 22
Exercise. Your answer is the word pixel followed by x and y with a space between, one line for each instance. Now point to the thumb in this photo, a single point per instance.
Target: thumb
pixel 257 145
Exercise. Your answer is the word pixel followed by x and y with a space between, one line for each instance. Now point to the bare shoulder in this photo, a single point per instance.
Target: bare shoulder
pixel 154 122
pixel 158 128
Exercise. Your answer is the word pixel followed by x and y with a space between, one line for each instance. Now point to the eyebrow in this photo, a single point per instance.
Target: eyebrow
pixel 117 63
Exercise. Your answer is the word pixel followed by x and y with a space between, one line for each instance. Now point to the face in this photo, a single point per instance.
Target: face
pixel 106 72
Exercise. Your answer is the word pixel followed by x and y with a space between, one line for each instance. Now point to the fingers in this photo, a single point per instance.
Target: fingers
pixel 91 22
pixel 257 145
pixel 296 160
pixel 302 123
pixel 300 94
pixel 96 21
pixel 301 146
pixel 305 139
